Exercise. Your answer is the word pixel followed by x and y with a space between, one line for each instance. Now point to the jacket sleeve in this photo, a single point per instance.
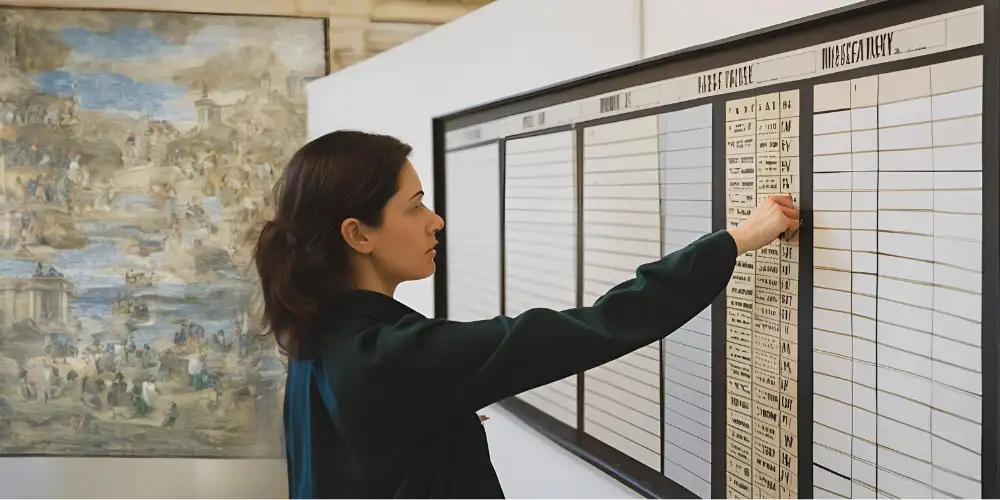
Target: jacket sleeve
pixel 465 366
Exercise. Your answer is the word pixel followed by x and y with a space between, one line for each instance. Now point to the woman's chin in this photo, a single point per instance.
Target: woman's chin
pixel 424 273
pixel 432 268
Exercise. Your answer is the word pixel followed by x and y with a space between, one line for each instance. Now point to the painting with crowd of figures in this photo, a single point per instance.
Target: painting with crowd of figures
pixel 137 155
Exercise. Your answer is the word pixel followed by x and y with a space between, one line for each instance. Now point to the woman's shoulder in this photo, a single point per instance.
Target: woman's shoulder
pixel 360 317
pixel 365 339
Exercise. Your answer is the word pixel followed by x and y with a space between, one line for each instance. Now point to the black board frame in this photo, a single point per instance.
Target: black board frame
pixel 858 18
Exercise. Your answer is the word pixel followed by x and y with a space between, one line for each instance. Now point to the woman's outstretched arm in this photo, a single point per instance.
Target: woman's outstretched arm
pixel 451 368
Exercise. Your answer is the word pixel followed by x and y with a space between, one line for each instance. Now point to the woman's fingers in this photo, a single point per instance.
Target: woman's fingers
pixel 783 200
pixel 764 223
pixel 790 212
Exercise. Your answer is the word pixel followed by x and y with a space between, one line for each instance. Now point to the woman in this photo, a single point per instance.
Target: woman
pixel 381 401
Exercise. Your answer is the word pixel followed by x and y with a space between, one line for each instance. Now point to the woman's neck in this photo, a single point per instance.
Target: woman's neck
pixel 367 278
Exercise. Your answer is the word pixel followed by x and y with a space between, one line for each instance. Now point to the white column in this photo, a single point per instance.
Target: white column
pixel 540 247
pixel 3 178
pixel 741 198
pixel 762 299
pixel 472 194
pixel 686 209
pixel 621 231
pixel 956 418
pixel 898 375
pixel 64 296
pixel 788 274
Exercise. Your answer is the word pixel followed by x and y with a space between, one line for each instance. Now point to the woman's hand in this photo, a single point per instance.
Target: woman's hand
pixel 768 221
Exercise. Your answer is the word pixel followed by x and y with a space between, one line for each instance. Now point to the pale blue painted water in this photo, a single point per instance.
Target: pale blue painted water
pixel 98 274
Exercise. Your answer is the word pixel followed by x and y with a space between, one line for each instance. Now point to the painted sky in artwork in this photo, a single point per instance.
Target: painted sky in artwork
pixel 129 69
pixel 134 43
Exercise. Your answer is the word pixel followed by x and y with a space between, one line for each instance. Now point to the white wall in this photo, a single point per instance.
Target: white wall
pixel 670 25
pixel 508 47
pixel 504 48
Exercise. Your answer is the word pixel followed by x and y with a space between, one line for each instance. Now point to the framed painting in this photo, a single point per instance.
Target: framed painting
pixel 137 155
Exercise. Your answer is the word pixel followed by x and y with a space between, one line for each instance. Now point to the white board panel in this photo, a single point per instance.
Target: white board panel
pixel 621 230
pixel 647 192
pixel 540 247
pixel 473 232
pixel 897 277
pixel 685 161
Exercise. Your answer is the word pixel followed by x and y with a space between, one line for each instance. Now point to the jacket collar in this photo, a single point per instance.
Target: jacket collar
pixel 373 304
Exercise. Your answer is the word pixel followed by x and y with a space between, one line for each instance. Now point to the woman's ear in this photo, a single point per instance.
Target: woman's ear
pixel 354 235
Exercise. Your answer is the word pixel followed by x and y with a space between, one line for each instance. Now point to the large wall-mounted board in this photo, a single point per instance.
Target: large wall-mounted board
pixel 540 244
pixel 852 358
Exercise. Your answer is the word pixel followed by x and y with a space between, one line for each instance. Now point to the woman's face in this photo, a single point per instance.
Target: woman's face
pixel 403 246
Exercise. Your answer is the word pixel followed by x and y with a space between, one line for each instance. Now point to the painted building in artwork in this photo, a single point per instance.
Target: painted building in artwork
pixel 41 299
pixel 12 220
pixel 9 43
pixel 209 112
pixel 296 86
pixel 265 88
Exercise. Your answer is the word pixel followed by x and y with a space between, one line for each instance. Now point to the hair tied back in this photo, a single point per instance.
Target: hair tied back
pixel 301 257
pixel 290 238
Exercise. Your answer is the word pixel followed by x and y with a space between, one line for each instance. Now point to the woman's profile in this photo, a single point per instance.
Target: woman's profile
pixel 350 226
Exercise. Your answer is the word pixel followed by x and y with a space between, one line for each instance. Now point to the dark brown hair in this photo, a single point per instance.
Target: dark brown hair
pixel 301 256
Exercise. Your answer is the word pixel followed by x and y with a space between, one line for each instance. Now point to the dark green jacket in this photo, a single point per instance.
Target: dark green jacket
pixel 388 408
